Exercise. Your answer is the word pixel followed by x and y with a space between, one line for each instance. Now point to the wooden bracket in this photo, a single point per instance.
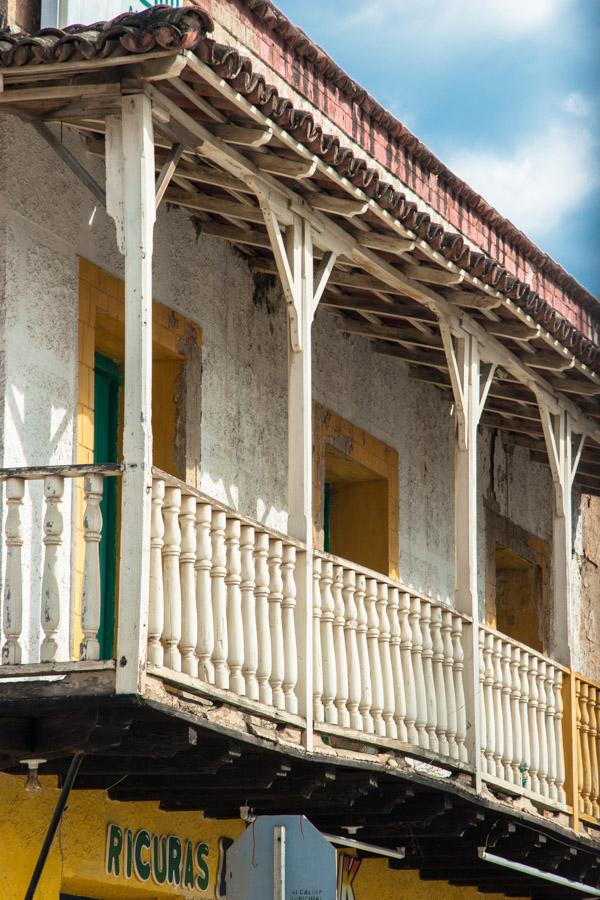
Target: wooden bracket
pixel 564 454
pixel 467 374
pixel 167 171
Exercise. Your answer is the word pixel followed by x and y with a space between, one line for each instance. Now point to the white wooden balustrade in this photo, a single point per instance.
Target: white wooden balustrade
pixel 222 597
pixel 587 717
pixel 521 712
pixel 387 662
pixel 48 564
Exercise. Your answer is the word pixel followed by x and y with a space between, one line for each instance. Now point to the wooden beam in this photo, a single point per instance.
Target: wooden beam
pixel 550 362
pixel 284 166
pixel 408 336
pixel 244 137
pixel 71 162
pixel 471 300
pixel 211 204
pixel 247 236
pixel 167 171
pixel 518 331
pixel 56 92
pixel 391 310
pixel 21 74
pixel 389 243
pixel 339 206
pixel 426 358
pixel 431 275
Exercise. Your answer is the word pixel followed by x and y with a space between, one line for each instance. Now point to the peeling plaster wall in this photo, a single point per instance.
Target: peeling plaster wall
pixel 243 421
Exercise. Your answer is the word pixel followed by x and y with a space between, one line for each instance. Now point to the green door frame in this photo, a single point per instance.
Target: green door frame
pixel 107 383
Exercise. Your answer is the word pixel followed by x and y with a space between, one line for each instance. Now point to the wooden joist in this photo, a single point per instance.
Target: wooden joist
pixel 242 136
pixel 284 166
pixel 432 275
pixel 389 243
pixel 339 206
pixel 212 204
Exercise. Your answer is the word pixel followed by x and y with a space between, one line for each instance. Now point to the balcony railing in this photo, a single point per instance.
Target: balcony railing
pixel 227 617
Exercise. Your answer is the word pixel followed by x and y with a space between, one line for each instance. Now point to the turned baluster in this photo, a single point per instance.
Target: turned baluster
pixel 351 624
pixel 585 747
pixel 54 486
pixel 288 612
pixel 318 709
pixel 374 657
pixel 438 681
pixel 448 665
pixel 593 739
pixel 488 699
pixel 13 585
pixel 91 588
pixel 579 718
pixel 550 732
pixel 327 644
pixel 417 661
pixel 187 561
pixel 507 748
pixel 218 574
pixel 275 622
pixel 204 608
pixel 235 625
pixel 558 732
pixel 397 675
pixel 430 725
pixel 459 688
pixel 339 642
pixel 156 606
pixel 171 578
pixel 366 694
pixel 534 743
pixel 542 733
pixel 524 710
pixel 498 718
pixel 386 661
pixel 482 709
pixel 247 586
pixel 261 592
pixel 515 698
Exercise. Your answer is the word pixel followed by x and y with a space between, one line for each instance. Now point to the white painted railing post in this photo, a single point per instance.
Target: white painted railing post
pixel 156 606
pixel 249 612
pixel 318 709
pixel 263 671
pixel 293 252
pixel 172 578
pixel 91 589
pixel 400 712
pixel 366 693
pixel 288 613
pixel 488 697
pixel 428 675
pixel 13 585
pixel 276 623
pixel 219 598
pixel 351 624
pixel 235 628
pixel 419 675
pixel 189 620
pixel 204 608
pixel 470 385
pixel 130 189
pixel 407 669
pixel 339 642
pixel 54 487
pixel 389 694
pixel 327 644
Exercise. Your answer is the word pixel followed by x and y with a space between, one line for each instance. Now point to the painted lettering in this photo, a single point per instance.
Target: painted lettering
pixel 348 867
pixel 128 853
pixel 159 859
pixel 142 866
pixel 174 860
pixel 202 865
pixel 114 846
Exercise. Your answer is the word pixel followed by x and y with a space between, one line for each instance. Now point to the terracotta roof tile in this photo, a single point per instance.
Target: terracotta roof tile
pixel 187 28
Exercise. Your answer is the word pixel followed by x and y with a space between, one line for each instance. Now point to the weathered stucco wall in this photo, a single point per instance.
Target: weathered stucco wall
pixel 49 224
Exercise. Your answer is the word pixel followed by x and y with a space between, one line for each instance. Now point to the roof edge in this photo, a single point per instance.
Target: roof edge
pixel 305 48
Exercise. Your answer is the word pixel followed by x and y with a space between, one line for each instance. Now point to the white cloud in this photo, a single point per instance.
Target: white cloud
pixel 460 18
pixel 578 105
pixel 539 182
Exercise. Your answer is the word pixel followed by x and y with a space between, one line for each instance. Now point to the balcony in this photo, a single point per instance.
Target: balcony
pixel 255 621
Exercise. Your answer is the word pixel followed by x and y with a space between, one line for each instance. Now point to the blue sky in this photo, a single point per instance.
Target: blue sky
pixel 505 92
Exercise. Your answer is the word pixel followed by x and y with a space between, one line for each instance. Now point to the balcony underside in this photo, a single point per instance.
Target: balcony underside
pixel 190 752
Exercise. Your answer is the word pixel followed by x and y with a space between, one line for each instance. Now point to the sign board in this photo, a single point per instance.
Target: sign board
pixel 58 13
pixel 283 857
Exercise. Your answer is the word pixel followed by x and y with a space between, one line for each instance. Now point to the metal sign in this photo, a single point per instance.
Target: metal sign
pixel 58 13
pixel 281 857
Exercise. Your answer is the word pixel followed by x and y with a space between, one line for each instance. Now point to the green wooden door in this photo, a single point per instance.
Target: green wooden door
pixel 106 435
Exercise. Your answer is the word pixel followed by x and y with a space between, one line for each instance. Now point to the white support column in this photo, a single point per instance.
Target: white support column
pixel 130 187
pixel 564 452
pixel 471 382
pixel 303 288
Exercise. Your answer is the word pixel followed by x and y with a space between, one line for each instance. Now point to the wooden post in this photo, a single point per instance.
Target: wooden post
pixel 131 202
pixel 564 455
pixel 471 382
pixel 303 288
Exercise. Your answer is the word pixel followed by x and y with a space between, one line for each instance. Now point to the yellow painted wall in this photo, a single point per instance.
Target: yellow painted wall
pixel 77 862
